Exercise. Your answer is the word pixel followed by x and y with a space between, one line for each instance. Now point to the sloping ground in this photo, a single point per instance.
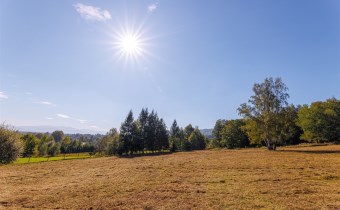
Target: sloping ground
pixel 291 178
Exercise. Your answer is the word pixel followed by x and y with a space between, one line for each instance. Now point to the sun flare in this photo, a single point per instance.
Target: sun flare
pixel 130 44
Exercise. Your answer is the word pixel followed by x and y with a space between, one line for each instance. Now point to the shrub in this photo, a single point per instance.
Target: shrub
pixel 10 145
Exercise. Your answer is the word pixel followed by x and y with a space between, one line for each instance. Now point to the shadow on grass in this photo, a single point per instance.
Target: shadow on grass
pixel 312 151
pixel 145 154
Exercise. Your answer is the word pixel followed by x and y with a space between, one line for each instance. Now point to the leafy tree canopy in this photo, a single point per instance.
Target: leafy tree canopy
pixel 320 121
pixel 10 145
pixel 266 112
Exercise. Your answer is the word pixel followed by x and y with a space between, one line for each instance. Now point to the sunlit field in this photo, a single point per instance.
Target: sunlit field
pixel 47 159
pixel 300 177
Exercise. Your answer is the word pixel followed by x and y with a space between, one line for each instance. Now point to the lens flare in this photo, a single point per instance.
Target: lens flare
pixel 129 44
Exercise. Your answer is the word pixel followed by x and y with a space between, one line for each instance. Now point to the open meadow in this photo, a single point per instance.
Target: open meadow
pixel 301 177
pixel 24 160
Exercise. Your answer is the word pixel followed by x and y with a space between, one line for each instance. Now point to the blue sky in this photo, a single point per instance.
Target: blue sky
pixel 62 62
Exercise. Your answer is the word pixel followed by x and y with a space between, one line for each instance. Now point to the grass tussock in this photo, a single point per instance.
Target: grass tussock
pixel 291 178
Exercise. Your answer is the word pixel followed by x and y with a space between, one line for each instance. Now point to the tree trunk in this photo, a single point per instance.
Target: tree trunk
pixel 269 145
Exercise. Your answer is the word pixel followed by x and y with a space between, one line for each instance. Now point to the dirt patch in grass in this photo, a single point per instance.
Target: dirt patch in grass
pixel 217 179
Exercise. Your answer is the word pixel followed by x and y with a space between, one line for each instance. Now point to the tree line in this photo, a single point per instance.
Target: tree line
pixel 14 144
pixel 148 133
pixel 267 119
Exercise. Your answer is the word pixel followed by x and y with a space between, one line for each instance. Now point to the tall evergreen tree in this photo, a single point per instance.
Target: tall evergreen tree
pixel 151 131
pixel 143 123
pixel 162 138
pixel 129 134
pixel 136 143
pixel 188 130
pixel 174 136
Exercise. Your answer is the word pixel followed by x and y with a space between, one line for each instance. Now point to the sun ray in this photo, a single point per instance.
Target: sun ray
pixel 129 44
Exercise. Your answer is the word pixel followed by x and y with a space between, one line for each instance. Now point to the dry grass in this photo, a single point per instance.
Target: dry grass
pixel 291 178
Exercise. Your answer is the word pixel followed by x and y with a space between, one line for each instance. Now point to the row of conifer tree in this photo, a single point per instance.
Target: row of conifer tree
pixel 149 133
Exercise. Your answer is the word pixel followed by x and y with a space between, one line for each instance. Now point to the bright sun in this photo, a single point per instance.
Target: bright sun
pixel 130 44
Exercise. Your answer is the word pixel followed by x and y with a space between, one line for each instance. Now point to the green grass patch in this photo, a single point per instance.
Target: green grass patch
pixel 56 158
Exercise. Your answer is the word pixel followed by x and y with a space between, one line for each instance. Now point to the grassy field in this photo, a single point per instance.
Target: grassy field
pixel 47 159
pixel 301 177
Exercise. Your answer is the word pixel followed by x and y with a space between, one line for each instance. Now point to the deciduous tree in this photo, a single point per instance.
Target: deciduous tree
pixel 320 121
pixel 53 149
pixel 58 135
pixel 30 145
pixel 197 140
pixel 10 145
pixel 264 113
pixel 217 133
pixel 232 135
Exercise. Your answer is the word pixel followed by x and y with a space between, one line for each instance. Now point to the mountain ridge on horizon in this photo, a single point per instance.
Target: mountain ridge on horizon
pixel 70 130
pixel 51 128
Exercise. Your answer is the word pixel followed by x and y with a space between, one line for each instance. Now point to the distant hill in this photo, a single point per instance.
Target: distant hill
pixel 207 133
pixel 50 129
pixel 76 132
pixel 87 137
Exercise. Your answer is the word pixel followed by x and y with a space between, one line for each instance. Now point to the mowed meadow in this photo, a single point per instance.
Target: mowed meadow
pixel 296 177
